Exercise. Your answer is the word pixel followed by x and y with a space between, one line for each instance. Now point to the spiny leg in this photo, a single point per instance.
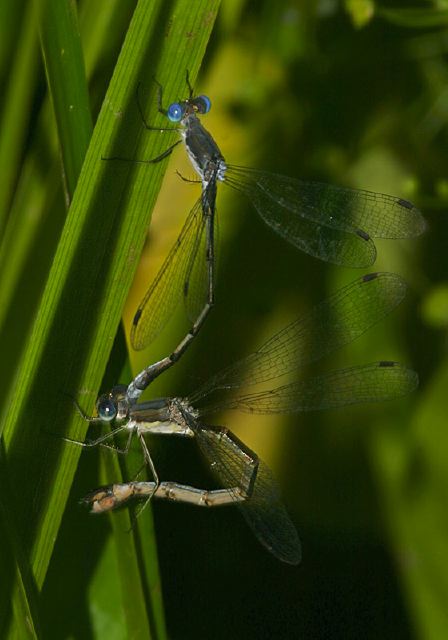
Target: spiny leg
pixel 81 412
pixel 155 160
pixel 149 463
pixel 148 127
pixel 189 180
pixel 101 441
pixel 160 109
pixel 189 85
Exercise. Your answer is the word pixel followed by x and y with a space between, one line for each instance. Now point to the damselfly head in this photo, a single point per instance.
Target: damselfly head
pixel 113 404
pixel 178 110
pixel 201 104
pixel 106 408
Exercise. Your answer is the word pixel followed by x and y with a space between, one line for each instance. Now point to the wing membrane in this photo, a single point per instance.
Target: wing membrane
pixel 201 278
pixel 374 382
pixel 263 510
pixel 170 285
pixel 335 322
pixel 332 223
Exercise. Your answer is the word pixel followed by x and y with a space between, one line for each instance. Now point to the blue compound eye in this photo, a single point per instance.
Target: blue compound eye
pixel 175 112
pixel 107 409
pixel 203 104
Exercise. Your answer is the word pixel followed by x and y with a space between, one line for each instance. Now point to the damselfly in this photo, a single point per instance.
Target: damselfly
pixel 245 480
pixel 332 223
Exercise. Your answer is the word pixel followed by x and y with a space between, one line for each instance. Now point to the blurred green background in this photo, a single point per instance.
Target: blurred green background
pixel 353 93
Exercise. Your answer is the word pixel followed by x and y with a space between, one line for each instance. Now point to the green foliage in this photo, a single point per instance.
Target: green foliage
pixel 352 95
pixel 67 345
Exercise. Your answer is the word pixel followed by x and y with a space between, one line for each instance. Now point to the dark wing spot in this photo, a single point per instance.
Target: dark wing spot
pixel 405 203
pixel 362 234
pixel 137 317
pixel 387 363
pixel 369 277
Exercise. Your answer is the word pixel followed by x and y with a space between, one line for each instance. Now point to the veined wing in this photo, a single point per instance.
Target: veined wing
pixel 201 279
pixel 171 283
pixel 335 322
pixel 332 223
pixel 263 509
pixel 374 382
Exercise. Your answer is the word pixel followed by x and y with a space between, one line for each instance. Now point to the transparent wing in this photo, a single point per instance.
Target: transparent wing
pixel 374 382
pixel 335 322
pixel 331 223
pixel 171 283
pixel 200 282
pixel 263 510
pixel 195 293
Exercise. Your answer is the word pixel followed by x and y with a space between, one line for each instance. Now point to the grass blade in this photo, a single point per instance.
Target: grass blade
pixel 92 271
pixel 64 65
pixel 16 110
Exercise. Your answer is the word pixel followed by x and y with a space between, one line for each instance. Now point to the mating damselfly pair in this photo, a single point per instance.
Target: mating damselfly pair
pixel 331 223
